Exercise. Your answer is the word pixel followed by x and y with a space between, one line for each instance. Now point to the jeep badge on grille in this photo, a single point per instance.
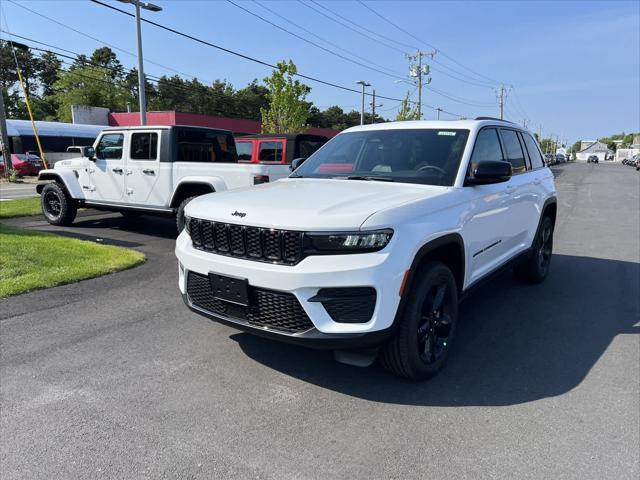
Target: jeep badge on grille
pixel 239 214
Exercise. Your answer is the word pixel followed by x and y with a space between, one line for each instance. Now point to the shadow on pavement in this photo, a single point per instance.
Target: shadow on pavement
pixel 163 227
pixel 515 343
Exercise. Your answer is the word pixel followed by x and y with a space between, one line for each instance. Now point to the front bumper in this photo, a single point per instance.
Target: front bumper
pixel 303 281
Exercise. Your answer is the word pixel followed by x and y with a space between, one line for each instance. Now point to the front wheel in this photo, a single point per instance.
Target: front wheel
pixel 422 342
pixel 57 205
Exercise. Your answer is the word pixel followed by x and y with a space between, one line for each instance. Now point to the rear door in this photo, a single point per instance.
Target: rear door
pixel 108 171
pixel 272 151
pixel 519 187
pixel 143 168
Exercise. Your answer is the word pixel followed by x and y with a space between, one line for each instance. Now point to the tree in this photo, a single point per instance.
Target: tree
pixel 287 111
pixel 106 58
pixel 250 100
pixel 88 86
pixel 407 112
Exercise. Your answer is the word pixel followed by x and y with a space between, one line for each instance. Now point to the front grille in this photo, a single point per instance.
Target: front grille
pixel 268 309
pixel 262 244
pixel 348 304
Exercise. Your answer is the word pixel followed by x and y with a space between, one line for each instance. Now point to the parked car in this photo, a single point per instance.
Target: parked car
pixel 637 163
pixel 280 149
pixel 84 151
pixel 148 170
pixel 25 163
pixel 560 158
pixel 369 244
pixel 549 159
pixel 592 159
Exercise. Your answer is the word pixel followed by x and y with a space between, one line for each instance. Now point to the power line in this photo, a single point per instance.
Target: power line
pixel 311 42
pixel 289 21
pixel 493 81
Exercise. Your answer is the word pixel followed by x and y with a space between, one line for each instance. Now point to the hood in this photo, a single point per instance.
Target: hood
pixel 76 162
pixel 307 204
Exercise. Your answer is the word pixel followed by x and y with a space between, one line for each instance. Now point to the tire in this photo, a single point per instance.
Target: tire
pixel 58 207
pixel 180 213
pixel 424 335
pixel 536 267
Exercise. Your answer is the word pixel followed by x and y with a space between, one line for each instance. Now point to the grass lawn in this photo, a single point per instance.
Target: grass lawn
pixel 32 260
pixel 21 207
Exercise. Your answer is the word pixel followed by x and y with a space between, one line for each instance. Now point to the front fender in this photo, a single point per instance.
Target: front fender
pixel 65 177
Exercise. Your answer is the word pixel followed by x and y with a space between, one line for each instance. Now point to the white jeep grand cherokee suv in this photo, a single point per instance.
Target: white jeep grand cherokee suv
pixel 369 244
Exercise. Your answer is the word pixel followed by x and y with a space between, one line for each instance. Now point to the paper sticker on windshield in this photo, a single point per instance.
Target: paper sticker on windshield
pixel 447 134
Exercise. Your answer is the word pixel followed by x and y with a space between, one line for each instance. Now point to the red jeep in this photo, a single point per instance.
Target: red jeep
pixel 278 148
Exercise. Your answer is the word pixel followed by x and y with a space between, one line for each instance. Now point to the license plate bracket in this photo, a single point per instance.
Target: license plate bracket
pixel 230 289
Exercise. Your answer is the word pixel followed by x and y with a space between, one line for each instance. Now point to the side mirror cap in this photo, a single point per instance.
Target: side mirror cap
pixel 296 162
pixel 490 172
pixel 90 152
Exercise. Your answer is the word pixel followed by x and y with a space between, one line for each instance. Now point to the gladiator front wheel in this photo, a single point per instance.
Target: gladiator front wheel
pixel 58 207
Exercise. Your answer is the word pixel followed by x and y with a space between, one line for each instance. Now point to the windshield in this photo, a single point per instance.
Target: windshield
pixel 427 156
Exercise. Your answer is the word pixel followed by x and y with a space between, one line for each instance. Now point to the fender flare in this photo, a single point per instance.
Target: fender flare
pixel 215 183
pixel 422 252
pixel 65 177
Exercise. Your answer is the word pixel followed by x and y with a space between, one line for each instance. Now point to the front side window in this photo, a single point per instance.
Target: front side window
pixel 270 152
pixel 200 145
pixel 110 146
pixel 534 152
pixel 487 148
pixel 513 151
pixel 425 156
pixel 144 146
pixel 245 151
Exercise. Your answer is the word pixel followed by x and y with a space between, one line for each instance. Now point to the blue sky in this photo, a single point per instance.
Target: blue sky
pixel 574 66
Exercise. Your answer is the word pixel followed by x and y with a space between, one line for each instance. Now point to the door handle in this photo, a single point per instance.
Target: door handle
pixel 117 170
pixel 128 171
pixel 148 171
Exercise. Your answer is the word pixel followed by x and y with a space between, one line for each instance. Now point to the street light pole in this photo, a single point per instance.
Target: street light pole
pixel 141 78
pixel 364 84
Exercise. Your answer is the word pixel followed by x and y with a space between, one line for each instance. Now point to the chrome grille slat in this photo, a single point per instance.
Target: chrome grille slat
pixel 252 243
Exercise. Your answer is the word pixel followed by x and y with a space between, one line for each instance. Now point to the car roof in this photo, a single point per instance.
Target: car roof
pixel 472 125
pixel 165 127
pixel 288 136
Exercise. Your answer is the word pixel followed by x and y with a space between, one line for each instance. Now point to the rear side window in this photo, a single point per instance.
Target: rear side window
pixel 534 152
pixel 195 145
pixel 487 148
pixel 307 147
pixel 270 152
pixel 110 146
pixel 245 151
pixel 144 146
pixel 513 150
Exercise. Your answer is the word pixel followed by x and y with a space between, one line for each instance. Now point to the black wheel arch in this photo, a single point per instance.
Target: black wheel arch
pixel 190 189
pixel 51 177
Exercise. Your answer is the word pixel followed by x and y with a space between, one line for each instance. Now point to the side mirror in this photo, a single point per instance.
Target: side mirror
pixel 296 162
pixel 490 172
pixel 90 152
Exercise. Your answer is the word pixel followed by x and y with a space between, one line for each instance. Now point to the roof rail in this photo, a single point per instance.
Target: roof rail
pixel 494 118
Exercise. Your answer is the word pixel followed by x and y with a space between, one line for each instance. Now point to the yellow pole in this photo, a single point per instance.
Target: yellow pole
pixel 33 123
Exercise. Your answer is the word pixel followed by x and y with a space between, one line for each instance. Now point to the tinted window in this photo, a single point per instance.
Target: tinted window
pixel 245 151
pixel 487 148
pixel 110 146
pixel 426 156
pixel 144 146
pixel 270 152
pixel 307 147
pixel 195 145
pixel 513 151
pixel 534 152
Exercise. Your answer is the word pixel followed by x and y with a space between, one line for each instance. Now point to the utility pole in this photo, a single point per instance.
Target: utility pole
pixel 373 107
pixel 418 71
pixel 141 78
pixel 364 84
pixel 502 98
pixel 438 110
pixel 6 153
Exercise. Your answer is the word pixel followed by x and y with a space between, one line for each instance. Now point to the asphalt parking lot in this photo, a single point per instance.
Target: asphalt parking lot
pixel 115 378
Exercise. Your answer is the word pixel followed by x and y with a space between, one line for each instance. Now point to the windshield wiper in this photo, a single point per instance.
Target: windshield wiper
pixel 370 178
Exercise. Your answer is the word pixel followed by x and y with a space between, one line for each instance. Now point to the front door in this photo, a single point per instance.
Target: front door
pixel 108 171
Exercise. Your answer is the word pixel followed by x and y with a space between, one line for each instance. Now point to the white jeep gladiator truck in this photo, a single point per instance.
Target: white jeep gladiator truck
pixel 148 170
pixel 369 244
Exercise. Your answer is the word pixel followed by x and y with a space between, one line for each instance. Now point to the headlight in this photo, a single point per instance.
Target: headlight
pixel 349 242
pixel 187 225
